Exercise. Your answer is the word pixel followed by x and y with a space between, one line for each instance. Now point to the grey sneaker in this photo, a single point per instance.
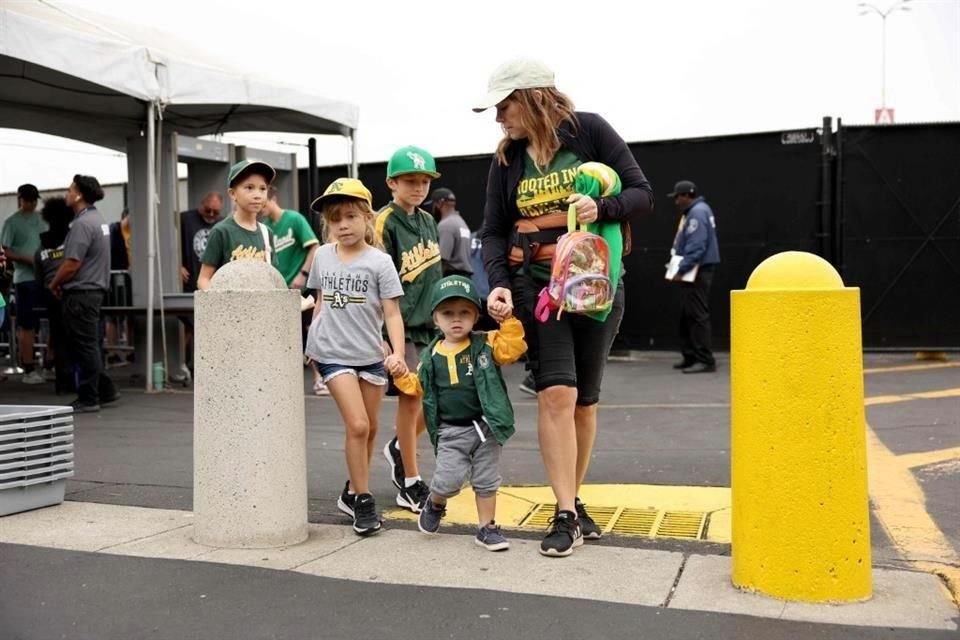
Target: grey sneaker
pixel 430 516
pixel 365 519
pixel 490 538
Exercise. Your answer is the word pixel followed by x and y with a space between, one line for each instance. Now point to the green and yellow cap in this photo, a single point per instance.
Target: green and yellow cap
pixel 346 188
pixel 411 160
pixel 454 287
pixel 245 167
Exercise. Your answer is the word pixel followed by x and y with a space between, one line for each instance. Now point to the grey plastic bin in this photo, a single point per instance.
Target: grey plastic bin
pixel 36 456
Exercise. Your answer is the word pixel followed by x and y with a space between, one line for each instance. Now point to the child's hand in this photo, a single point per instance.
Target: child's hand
pixel 395 365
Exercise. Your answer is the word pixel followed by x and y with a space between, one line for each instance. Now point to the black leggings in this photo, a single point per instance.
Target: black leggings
pixel 571 351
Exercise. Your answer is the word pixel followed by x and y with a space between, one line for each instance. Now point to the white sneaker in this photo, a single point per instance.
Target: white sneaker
pixel 34 377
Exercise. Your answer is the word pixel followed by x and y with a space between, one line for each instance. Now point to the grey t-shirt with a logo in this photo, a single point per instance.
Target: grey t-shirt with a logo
pixel 349 327
pixel 89 242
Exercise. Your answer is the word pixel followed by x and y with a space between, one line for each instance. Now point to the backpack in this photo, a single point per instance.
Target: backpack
pixel 579 280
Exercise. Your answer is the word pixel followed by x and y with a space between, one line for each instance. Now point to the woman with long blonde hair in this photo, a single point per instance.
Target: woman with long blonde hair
pixel 529 188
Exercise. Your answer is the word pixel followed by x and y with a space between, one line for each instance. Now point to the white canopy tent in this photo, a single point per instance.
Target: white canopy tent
pixel 77 74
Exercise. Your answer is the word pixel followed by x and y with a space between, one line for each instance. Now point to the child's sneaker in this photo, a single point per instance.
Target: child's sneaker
pixel 391 451
pixel 413 497
pixel 430 516
pixel 346 500
pixel 588 527
pixel 490 538
pixel 563 536
pixel 365 519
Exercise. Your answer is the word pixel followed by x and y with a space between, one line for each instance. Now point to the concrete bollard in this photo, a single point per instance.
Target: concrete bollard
pixel 249 439
pixel 801 528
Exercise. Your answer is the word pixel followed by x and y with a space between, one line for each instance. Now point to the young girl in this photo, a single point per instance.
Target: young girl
pixel 241 237
pixel 358 289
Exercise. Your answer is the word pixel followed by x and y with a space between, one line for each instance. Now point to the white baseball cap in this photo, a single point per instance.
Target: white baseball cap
pixel 522 73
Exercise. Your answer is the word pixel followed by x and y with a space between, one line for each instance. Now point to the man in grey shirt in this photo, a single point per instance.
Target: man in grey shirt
pixel 81 282
pixel 454 234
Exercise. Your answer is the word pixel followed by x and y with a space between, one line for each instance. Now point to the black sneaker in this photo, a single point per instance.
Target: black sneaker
pixel 430 516
pixel 588 527
pixel 105 402
pixel 365 519
pixel 346 500
pixel 563 536
pixel 414 496
pixel 391 451
pixel 79 406
pixel 529 385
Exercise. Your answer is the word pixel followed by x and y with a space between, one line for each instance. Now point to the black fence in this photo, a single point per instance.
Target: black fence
pixel 881 203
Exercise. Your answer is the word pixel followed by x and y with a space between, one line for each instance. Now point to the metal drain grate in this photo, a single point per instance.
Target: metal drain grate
pixel 651 523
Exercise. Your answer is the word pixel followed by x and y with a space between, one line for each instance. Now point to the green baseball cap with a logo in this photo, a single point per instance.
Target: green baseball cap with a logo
pixel 245 167
pixel 411 160
pixel 454 287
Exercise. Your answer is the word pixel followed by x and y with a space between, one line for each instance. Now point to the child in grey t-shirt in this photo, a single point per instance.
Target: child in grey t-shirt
pixel 358 291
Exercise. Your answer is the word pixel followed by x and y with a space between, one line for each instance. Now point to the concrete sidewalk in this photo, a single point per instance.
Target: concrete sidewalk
pixel 646 577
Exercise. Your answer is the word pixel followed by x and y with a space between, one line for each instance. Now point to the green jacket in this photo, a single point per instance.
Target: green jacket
pixel 413 244
pixel 488 351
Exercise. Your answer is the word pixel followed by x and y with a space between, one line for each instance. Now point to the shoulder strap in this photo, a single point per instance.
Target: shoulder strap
pixel 267 250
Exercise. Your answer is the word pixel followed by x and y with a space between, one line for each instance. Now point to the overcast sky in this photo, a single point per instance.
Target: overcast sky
pixel 655 69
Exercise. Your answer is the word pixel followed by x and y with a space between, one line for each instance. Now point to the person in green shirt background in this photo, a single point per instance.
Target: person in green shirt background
pixel 20 240
pixel 295 244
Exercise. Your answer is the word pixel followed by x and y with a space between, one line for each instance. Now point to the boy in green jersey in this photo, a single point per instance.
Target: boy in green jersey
pixel 409 236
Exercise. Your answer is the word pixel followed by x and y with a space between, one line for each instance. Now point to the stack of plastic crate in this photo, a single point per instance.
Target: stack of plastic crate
pixel 36 456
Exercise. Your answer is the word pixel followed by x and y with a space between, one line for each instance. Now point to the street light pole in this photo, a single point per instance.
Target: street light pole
pixel 867 8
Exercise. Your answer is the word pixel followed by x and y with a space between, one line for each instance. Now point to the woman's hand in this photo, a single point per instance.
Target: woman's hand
pixel 500 304
pixel 587 211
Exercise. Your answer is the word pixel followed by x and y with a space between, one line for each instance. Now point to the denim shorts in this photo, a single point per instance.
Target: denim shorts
pixel 373 373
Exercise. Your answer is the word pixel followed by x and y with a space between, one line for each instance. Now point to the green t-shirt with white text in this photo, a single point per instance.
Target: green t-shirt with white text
pixel 292 237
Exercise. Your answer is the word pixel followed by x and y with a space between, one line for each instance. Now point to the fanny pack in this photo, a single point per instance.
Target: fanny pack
pixel 535 239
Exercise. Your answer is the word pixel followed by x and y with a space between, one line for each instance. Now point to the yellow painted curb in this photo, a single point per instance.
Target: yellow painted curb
pixel 515 503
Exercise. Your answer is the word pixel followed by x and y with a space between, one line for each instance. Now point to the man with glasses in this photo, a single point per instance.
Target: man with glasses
pixel 195 226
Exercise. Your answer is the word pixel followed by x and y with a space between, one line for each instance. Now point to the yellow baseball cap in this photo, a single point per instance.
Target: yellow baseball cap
pixel 344 187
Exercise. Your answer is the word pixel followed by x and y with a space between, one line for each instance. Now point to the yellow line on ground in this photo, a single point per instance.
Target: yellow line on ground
pixel 923 458
pixel 923 395
pixel 900 506
pixel 912 367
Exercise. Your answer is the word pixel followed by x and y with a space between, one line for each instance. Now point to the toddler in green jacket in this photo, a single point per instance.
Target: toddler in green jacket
pixel 465 405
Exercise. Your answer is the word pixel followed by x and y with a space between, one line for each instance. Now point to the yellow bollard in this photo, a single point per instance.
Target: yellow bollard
pixel 801 527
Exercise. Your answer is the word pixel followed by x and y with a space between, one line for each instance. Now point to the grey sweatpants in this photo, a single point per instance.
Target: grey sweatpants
pixel 463 455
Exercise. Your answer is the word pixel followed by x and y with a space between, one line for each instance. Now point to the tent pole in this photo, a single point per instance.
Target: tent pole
pixel 354 168
pixel 151 237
